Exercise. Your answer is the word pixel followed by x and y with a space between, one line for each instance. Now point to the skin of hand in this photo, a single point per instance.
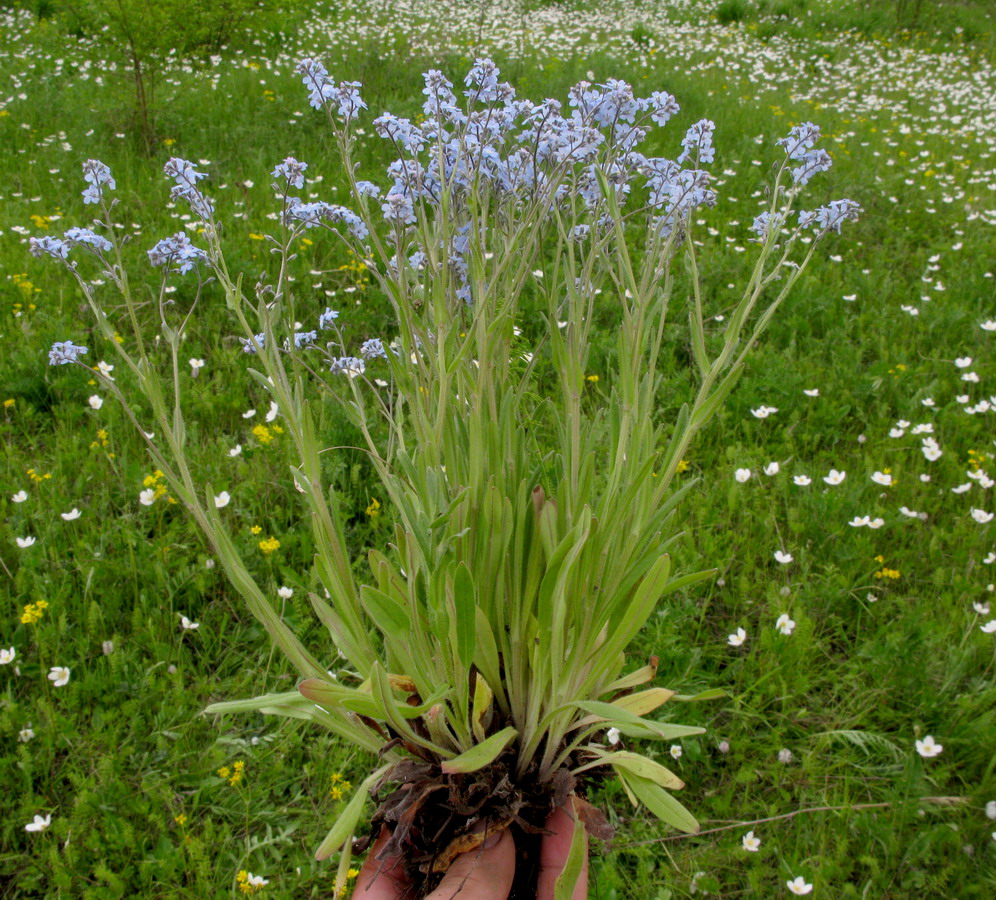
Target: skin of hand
pixel 482 874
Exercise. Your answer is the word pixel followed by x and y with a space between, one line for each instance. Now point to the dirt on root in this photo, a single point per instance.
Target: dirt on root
pixel 433 817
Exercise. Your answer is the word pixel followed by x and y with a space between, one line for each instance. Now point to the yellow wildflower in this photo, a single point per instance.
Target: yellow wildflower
pixel 682 466
pixel 374 508
pixel 269 545
pixel 242 879
pixel 256 529
pixel 8 403
pixel 33 612
pixel 262 434
pixel 592 378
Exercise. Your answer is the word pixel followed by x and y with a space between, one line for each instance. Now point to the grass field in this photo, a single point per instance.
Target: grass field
pixel 881 367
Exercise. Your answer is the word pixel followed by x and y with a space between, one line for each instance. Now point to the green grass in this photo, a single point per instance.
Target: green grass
pixel 121 756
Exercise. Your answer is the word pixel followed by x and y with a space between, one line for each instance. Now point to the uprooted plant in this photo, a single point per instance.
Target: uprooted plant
pixel 533 515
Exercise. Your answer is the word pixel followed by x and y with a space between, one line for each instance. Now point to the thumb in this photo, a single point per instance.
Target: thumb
pixel 482 874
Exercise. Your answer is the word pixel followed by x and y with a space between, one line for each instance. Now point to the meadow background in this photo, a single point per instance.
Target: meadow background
pixel 880 365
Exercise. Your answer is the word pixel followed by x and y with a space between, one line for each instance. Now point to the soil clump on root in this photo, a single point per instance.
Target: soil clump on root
pixel 433 817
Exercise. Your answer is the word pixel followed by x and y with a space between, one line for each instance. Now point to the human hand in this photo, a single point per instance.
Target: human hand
pixel 482 874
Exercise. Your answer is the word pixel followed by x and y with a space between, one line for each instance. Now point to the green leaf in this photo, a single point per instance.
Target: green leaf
pixel 711 694
pixel 708 409
pixel 331 696
pixel 637 610
pixel 687 581
pixel 645 768
pixel 698 342
pixel 633 679
pixel 487 651
pixel 383 693
pixel 345 823
pixel 287 698
pixel 659 802
pixel 480 755
pixel 643 702
pixel 389 615
pixel 567 880
pixel 483 697
pixel 635 726
pixel 465 608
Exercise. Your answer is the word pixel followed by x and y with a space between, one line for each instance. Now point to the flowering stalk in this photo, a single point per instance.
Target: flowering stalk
pixel 532 524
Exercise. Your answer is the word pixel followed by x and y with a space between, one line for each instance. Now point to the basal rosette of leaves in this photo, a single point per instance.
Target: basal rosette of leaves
pixel 533 518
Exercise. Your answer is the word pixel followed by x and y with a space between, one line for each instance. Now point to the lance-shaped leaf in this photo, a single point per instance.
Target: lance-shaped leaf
pixel 465 615
pixel 341 636
pixel 295 705
pixel 637 677
pixel 391 711
pixel 480 755
pixel 711 694
pixel 286 698
pixel 659 802
pixel 345 823
pixel 480 716
pixel 389 615
pixel 644 701
pixel 567 880
pixel 330 696
pixel 645 768
pixel 633 725
pixel 635 763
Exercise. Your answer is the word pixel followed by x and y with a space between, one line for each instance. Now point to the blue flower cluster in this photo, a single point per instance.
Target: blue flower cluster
pixel 830 217
pixel 313 215
pixel 176 251
pixel 523 151
pixel 59 248
pixel 64 352
pixel 323 91
pixel 97 176
pixel 292 170
pixel 186 178
pixel 799 146
pixel 248 346
pixel 767 224
pixel 348 365
pixel 373 349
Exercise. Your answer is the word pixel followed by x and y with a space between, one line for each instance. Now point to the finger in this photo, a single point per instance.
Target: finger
pixel 390 883
pixel 483 874
pixel 553 854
